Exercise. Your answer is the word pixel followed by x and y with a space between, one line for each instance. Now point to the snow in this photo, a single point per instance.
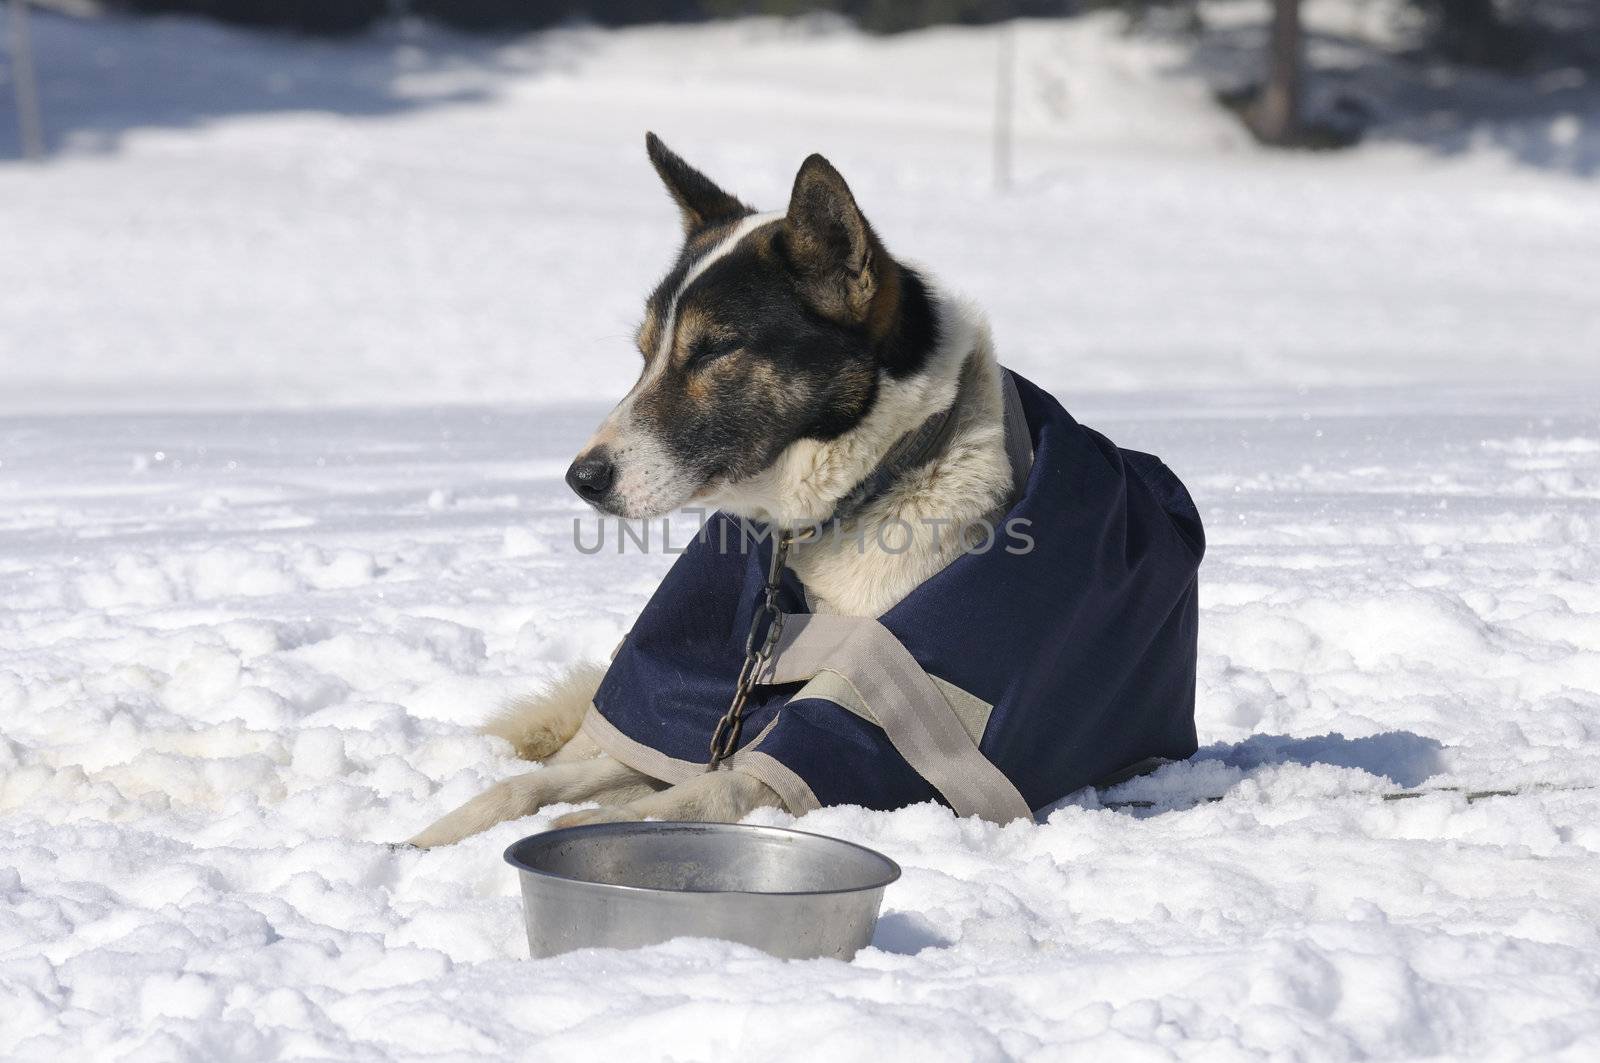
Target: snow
pixel 416 230
pixel 290 390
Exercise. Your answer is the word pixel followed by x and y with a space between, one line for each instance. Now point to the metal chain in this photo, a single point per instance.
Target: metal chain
pixel 725 739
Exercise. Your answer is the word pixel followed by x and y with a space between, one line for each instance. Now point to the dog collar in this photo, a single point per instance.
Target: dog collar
pixel 917 447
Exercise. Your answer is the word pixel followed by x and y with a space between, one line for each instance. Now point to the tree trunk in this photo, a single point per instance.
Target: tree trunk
pixel 30 131
pixel 1276 114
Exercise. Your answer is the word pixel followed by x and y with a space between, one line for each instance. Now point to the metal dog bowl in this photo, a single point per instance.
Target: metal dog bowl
pixel 623 885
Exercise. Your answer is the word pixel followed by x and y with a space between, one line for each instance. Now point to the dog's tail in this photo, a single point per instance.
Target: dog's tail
pixel 540 723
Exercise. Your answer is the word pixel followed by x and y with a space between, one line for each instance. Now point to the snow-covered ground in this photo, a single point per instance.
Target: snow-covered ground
pixel 240 651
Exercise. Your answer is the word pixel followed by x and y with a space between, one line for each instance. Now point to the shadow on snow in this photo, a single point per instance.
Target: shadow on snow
pixel 1401 759
pixel 99 78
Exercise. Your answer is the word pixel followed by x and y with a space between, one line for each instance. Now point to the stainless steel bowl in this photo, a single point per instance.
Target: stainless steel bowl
pixel 623 885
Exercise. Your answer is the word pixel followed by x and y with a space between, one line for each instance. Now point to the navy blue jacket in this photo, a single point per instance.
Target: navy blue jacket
pixel 1065 664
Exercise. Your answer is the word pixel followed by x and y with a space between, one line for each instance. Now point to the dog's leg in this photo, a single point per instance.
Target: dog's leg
pixel 538 724
pixel 715 797
pixel 596 779
pixel 579 747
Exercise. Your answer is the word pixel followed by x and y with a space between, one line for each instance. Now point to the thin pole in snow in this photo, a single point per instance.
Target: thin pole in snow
pixel 29 129
pixel 1004 107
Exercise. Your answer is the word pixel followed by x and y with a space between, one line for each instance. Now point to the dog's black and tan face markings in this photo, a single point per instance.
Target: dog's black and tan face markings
pixel 768 329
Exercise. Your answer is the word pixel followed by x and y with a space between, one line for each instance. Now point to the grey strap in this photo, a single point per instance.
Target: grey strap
pixel 636 755
pixel 790 788
pixel 971 710
pixel 1019 444
pixel 779 777
pixel 904 701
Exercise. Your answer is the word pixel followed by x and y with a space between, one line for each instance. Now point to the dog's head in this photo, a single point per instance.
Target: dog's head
pixel 769 329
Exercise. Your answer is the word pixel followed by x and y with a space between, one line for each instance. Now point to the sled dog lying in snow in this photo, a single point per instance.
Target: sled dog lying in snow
pixel 986 604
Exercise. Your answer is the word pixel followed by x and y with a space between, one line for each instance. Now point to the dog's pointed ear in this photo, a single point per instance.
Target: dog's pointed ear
pixel 697 196
pixel 830 244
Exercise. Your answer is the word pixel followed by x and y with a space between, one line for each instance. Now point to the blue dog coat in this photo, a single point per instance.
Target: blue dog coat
pixel 1000 685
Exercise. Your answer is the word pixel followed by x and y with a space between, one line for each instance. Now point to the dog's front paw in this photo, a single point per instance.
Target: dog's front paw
pixel 603 814
pixel 440 833
pixel 509 799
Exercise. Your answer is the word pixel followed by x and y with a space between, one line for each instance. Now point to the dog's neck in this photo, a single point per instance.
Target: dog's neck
pixel 909 527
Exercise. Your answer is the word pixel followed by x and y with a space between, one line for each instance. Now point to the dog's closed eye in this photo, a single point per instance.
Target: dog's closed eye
pixel 708 349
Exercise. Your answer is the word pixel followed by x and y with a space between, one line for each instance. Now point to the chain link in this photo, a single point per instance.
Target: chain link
pixel 725 739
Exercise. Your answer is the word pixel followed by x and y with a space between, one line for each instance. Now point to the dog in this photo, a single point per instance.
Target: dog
pixel 785 355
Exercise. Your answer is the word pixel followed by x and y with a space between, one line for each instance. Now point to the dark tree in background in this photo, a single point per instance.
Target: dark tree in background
pixel 309 16
pixel 1472 31
pixel 345 16
pixel 523 14
pixel 1500 33
pixel 1509 36
pixel 1275 116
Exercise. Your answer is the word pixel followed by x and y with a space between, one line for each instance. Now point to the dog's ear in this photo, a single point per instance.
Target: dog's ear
pixel 697 196
pixel 830 244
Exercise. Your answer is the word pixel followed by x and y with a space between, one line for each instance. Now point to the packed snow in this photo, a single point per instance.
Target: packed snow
pixel 299 337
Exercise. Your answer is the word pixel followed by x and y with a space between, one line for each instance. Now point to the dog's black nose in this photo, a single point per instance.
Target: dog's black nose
pixel 591 475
